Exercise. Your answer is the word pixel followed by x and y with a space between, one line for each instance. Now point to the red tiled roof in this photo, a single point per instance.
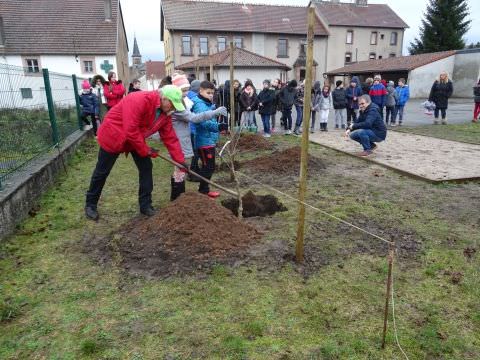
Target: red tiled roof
pixel 401 63
pixel 348 14
pixel 241 58
pixel 58 27
pixel 155 69
pixel 220 16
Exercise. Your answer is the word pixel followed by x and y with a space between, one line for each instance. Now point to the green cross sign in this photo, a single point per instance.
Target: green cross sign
pixel 106 66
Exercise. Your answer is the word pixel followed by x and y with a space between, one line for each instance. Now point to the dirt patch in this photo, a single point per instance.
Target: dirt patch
pixel 255 205
pixel 284 162
pixel 191 233
pixel 225 166
pixel 254 143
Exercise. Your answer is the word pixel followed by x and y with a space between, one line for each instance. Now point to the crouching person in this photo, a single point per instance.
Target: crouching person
pixel 206 136
pixel 124 130
pixel 369 127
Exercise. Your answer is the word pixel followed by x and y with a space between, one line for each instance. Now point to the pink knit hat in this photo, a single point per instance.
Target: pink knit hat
pixel 86 85
pixel 180 81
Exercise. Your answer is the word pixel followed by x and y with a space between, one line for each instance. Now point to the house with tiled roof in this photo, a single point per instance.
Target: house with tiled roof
pixel 247 65
pixel 420 71
pixel 344 32
pixel 66 36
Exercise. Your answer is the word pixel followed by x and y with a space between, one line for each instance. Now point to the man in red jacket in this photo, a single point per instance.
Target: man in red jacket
pixel 124 130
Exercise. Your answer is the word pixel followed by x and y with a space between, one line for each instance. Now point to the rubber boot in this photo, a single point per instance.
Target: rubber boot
pixel 177 189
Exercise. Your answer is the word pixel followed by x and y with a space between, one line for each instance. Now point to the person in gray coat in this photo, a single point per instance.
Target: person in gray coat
pixel 392 99
pixel 181 121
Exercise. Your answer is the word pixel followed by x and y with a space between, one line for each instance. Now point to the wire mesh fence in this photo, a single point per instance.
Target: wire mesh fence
pixel 38 110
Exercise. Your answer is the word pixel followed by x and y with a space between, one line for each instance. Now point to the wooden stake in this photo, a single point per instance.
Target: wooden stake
pixel 306 125
pixel 211 72
pixel 232 90
pixel 387 296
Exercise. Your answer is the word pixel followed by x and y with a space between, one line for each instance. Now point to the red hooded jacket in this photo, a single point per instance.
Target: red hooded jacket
pixel 114 92
pixel 127 125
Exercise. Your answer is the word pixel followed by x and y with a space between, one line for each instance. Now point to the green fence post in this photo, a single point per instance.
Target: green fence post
pixel 51 109
pixel 77 101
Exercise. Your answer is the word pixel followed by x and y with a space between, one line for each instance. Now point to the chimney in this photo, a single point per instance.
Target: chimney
pixel 361 2
pixel 108 10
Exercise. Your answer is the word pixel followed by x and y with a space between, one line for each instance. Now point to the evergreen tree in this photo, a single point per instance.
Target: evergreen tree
pixel 444 24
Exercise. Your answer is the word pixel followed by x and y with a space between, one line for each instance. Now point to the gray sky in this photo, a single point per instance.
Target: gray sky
pixel 142 17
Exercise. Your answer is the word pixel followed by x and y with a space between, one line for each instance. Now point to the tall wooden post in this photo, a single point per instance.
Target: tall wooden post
pixel 306 125
pixel 211 72
pixel 232 90
pixel 387 295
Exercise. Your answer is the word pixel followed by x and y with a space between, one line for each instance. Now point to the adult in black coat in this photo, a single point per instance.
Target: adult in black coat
pixel 266 106
pixel 441 91
pixel 287 99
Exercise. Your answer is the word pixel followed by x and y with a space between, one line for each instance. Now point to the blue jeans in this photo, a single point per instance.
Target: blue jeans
pixel 366 137
pixel 299 120
pixel 399 112
pixel 266 123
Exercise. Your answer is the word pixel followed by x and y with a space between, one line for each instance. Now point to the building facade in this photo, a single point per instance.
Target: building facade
pixel 63 37
pixel 344 33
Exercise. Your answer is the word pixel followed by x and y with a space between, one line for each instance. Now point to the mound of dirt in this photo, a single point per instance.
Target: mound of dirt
pixel 190 233
pixel 255 205
pixel 283 162
pixel 253 142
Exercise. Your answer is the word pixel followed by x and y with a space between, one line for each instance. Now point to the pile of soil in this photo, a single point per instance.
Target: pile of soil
pixel 191 233
pixel 284 162
pixel 255 205
pixel 253 142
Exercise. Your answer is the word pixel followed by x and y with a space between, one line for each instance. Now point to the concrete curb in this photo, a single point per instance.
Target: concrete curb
pixel 24 189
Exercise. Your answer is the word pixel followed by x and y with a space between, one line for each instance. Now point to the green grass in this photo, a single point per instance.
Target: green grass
pixel 57 303
pixel 469 133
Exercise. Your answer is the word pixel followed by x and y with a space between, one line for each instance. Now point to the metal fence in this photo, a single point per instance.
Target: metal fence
pixel 38 110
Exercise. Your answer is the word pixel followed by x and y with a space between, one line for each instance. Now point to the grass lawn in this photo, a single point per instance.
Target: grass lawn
pixel 57 302
pixel 468 132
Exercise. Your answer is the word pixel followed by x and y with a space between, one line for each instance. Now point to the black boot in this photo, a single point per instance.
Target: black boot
pixel 91 213
pixel 177 189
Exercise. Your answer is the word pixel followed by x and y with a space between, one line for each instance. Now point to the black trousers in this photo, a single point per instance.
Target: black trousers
pixel 207 155
pixel 194 163
pixel 439 110
pixel 93 121
pixel 351 116
pixel 105 164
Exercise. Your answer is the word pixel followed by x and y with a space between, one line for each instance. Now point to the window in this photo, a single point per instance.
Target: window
pixel 32 65
pixel 382 36
pixel 349 39
pixel 221 44
pixel 392 55
pixel 372 56
pixel 380 57
pixel 186 45
pixel 88 66
pixel 393 38
pixel 203 45
pixel 282 48
pixel 238 42
pixel 348 58
pixel 303 46
pixel 26 93
pixel 373 38
pixel 2 33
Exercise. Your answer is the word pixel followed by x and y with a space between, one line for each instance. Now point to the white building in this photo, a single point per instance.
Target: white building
pixel 65 36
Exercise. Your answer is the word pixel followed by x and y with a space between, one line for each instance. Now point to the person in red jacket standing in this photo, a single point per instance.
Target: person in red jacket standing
pixel 124 130
pixel 113 90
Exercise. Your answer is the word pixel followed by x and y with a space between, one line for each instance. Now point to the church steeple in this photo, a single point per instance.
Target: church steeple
pixel 136 56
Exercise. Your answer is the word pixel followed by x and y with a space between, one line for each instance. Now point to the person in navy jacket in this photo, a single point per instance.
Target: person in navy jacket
pixel 369 127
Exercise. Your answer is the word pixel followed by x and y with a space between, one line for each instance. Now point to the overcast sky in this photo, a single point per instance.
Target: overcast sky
pixel 142 17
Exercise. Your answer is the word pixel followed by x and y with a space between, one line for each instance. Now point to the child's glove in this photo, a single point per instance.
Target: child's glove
pixel 221 111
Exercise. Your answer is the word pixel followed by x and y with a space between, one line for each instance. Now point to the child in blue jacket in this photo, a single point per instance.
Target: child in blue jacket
pixel 403 94
pixel 206 136
pixel 89 104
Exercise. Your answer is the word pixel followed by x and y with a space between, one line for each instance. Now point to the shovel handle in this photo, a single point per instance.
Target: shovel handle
pixel 173 162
